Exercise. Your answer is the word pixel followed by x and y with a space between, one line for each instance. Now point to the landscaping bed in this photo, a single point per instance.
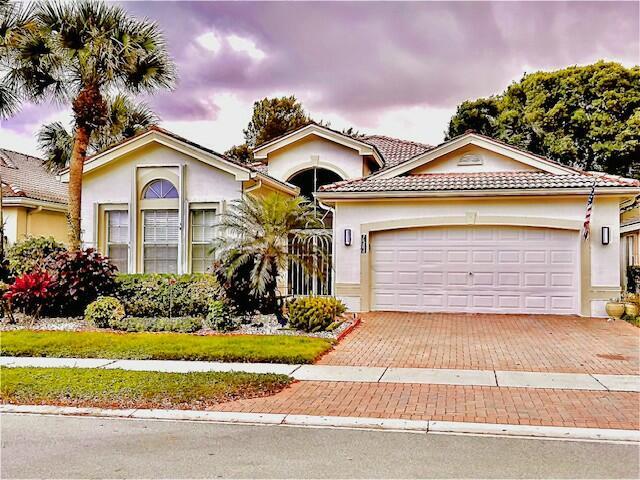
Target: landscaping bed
pixel 163 346
pixel 258 324
pixel 85 387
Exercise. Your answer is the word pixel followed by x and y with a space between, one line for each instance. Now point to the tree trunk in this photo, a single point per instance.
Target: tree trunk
pixel 90 112
pixel 80 144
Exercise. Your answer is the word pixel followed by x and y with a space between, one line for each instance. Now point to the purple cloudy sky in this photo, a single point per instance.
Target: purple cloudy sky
pixel 392 68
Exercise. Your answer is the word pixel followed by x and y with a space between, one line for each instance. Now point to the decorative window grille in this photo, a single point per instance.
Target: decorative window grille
pixel 160 189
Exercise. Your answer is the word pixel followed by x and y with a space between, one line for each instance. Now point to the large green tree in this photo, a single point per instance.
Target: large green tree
pixel 271 118
pixel 79 53
pixel 586 116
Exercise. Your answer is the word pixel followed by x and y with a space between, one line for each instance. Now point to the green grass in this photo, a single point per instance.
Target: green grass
pixel 129 389
pixel 163 346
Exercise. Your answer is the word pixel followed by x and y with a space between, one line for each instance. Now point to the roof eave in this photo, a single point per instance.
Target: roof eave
pixel 28 202
pixel 480 140
pixel 192 150
pixel 363 148
pixel 615 191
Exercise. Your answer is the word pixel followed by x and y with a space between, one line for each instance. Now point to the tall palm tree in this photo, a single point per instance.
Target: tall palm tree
pixel 15 20
pixel 80 52
pixel 124 120
pixel 256 231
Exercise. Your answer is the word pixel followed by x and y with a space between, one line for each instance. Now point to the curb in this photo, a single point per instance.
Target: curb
pixel 349 329
pixel 386 424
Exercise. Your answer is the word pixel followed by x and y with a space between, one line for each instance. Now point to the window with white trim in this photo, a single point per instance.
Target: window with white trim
pixel 161 231
pixel 202 233
pixel 118 238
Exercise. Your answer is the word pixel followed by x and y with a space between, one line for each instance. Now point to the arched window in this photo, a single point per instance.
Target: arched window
pixel 160 189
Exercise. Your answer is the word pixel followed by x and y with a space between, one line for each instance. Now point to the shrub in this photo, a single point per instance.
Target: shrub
pixel 156 295
pixel 80 277
pixel 314 314
pixel 30 253
pixel 237 288
pixel 633 278
pixel 104 311
pixel 160 324
pixel 29 292
pixel 219 316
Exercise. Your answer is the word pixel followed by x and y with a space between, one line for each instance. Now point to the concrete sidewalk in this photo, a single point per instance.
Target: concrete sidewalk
pixel 334 373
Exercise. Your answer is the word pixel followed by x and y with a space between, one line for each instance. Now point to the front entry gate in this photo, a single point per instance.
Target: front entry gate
pixel 318 249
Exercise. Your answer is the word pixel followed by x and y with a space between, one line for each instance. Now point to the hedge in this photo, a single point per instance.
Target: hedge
pixel 166 295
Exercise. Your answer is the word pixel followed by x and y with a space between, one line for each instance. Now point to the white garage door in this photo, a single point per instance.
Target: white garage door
pixel 476 269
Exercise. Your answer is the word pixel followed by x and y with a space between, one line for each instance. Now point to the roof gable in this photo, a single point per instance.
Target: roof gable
pixel 25 177
pixel 529 160
pixel 363 148
pixel 169 140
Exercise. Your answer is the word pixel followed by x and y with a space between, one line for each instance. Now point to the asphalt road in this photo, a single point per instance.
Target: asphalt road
pixel 74 447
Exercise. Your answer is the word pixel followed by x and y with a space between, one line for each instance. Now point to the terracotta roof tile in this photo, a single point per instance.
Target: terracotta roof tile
pixel 477 181
pixel 394 150
pixel 25 176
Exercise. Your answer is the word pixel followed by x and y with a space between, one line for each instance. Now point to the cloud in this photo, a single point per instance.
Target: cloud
pixel 392 67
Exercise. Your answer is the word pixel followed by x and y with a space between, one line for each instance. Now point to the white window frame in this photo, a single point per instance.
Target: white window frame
pixel 146 243
pixel 124 210
pixel 215 208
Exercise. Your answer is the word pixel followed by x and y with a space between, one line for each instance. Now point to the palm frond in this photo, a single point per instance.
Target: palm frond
pixel 57 144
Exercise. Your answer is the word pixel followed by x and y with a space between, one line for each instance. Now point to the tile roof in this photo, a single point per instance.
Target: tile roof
pixel 478 181
pixel 394 150
pixel 25 176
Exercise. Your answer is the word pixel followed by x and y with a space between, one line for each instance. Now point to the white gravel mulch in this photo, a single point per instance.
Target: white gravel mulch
pixel 258 325
pixel 68 324
pixel 269 325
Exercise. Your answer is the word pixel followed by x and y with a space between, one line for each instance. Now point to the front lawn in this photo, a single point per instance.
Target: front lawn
pixel 87 387
pixel 163 346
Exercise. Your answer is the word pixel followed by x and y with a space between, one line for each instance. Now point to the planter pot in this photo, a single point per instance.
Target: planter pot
pixel 615 309
pixel 631 309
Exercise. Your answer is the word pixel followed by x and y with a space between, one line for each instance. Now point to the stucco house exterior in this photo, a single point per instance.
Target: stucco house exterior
pixel 471 225
pixel 34 202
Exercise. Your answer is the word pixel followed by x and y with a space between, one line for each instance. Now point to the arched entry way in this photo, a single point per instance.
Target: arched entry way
pixel 300 282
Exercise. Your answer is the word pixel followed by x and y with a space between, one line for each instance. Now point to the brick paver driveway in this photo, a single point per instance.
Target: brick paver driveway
pixel 538 343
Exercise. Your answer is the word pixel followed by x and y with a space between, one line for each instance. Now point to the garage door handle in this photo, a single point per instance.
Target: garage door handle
pixel 470 273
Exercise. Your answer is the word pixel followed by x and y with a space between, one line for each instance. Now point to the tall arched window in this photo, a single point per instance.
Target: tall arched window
pixel 160 189
pixel 161 227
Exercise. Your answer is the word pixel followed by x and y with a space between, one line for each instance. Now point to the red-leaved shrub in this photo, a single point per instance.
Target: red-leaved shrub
pixel 30 291
pixel 80 277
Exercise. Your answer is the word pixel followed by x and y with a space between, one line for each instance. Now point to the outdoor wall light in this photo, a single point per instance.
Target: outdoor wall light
pixel 606 236
pixel 347 237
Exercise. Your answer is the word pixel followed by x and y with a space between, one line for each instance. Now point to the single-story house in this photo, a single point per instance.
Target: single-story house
pixel 34 202
pixel 471 225
pixel 630 234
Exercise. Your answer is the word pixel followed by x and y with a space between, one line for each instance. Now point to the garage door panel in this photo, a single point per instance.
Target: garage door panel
pixel 513 269
pixel 483 256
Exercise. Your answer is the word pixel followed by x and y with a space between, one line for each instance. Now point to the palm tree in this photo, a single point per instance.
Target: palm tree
pixel 124 120
pixel 15 20
pixel 81 52
pixel 256 231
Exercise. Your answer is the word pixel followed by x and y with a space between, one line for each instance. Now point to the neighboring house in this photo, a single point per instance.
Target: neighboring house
pixel 630 234
pixel 34 202
pixel 472 225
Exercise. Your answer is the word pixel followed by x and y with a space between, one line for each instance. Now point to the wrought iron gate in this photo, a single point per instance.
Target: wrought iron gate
pixel 301 282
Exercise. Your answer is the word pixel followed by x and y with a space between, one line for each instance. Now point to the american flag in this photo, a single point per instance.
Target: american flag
pixel 586 229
